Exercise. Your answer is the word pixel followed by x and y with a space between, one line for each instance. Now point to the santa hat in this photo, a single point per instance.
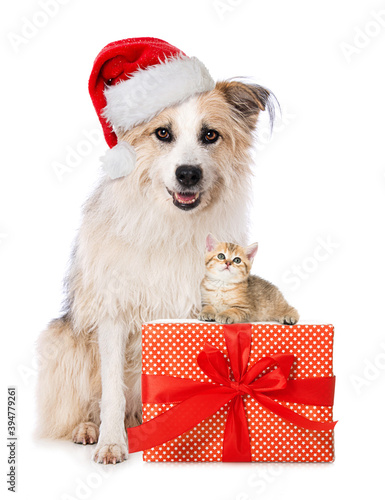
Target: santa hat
pixel 133 80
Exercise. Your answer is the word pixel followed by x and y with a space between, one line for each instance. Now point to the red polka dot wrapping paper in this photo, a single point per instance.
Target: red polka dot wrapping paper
pixel 172 348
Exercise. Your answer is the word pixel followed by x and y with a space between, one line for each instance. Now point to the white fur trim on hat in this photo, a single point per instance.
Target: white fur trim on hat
pixel 153 89
pixel 119 160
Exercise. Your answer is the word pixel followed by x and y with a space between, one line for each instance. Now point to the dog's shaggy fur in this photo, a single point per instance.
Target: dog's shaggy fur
pixel 139 257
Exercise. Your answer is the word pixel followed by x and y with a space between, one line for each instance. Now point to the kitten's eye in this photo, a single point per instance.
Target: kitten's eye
pixel 163 134
pixel 221 256
pixel 237 260
pixel 210 136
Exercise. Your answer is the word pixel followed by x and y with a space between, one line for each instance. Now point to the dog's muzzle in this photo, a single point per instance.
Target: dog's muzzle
pixel 188 178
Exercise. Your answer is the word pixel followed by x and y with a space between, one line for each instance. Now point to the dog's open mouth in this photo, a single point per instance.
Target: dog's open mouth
pixel 185 201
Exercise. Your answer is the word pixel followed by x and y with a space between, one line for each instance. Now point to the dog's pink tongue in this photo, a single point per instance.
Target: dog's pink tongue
pixel 186 197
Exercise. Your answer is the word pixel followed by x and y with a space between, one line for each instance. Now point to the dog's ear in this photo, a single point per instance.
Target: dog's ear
pixel 247 100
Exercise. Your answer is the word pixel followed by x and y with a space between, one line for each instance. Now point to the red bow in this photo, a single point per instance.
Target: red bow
pixel 199 400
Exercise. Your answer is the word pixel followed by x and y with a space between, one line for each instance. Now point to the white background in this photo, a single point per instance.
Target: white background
pixel 320 178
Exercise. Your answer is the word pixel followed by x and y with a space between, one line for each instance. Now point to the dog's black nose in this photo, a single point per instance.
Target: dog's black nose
pixel 188 175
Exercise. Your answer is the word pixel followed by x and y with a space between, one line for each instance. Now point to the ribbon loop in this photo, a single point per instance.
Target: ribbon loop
pixel 214 364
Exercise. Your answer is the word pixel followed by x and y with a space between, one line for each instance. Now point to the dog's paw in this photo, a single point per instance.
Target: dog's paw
pixel 225 319
pixel 111 453
pixel 85 433
pixel 290 318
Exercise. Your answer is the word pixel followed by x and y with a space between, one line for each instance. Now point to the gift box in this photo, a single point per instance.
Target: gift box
pixel 255 392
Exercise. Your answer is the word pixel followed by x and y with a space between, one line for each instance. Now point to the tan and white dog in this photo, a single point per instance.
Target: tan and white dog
pixel 139 256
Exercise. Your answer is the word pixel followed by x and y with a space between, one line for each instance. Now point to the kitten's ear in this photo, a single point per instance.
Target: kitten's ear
pixel 251 251
pixel 211 242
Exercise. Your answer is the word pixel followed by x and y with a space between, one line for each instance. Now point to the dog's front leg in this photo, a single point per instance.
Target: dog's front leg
pixel 112 444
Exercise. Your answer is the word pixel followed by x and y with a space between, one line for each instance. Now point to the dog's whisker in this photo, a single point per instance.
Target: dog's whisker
pixel 219 181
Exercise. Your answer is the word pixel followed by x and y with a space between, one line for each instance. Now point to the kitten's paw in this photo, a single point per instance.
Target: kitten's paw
pixel 85 433
pixel 207 313
pixel 207 316
pixel 290 318
pixel 225 319
pixel 111 453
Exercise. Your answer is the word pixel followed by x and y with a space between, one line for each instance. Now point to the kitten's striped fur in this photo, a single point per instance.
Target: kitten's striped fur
pixel 231 295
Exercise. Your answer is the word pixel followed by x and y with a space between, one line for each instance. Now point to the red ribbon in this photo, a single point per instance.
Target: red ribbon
pixel 199 400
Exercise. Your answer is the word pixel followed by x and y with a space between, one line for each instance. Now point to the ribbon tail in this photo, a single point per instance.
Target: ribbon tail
pixel 291 416
pixel 236 441
pixel 167 389
pixel 178 419
pixel 309 391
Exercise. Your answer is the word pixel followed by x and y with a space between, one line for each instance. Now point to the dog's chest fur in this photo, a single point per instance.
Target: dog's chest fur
pixel 135 283
pixel 142 264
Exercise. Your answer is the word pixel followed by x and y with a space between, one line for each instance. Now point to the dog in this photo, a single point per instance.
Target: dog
pixel 139 256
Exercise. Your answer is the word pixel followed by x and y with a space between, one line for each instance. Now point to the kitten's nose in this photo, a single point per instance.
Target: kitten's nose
pixel 188 175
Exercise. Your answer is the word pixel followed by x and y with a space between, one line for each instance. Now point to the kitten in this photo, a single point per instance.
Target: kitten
pixel 231 295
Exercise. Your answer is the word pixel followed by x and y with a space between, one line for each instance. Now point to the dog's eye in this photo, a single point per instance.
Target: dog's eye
pixel 210 136
pixel 237 260
pixel 163 134
pixel 221 256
